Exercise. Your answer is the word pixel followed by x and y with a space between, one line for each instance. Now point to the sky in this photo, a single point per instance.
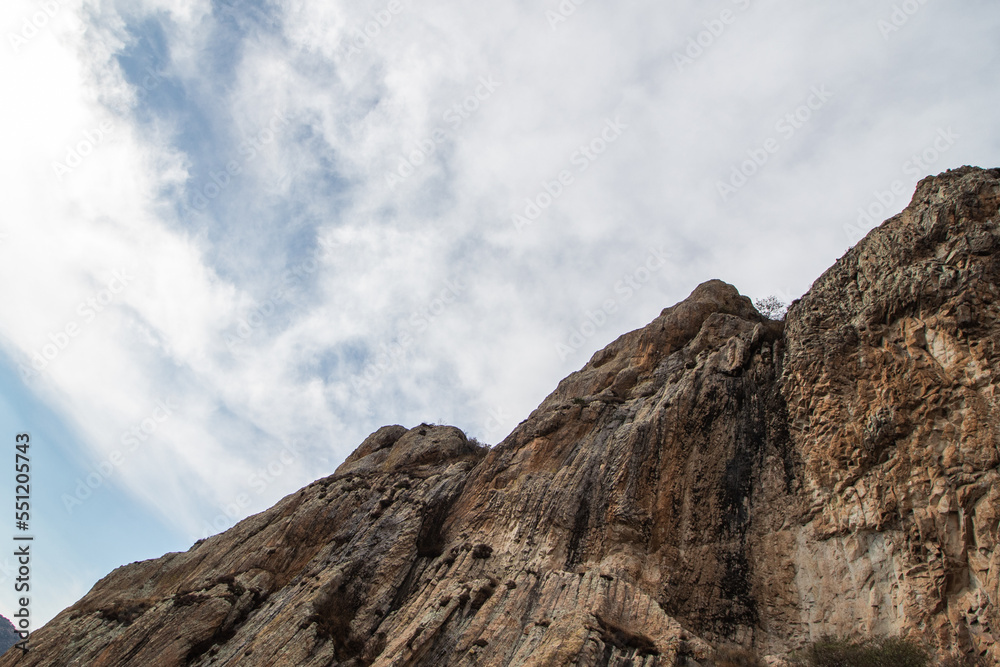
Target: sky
pixel 236 238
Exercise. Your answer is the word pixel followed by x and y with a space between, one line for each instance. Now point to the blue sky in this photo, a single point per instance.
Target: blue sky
pixel 238 237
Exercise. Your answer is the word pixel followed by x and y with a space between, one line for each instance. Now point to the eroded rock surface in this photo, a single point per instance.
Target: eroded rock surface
pixel 891 380
pixel 712 478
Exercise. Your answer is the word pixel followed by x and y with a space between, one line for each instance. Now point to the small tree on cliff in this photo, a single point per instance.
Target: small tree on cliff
pixel 771 307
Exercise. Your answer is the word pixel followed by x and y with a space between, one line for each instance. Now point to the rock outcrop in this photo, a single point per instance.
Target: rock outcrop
pixel 713 478
pixel 891 381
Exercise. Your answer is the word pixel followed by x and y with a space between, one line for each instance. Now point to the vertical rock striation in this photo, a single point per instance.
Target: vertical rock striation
pixel 891 381
pixel 712 478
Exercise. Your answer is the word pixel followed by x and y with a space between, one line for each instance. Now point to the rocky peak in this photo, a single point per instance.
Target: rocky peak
pixel 713 478
pixel 617 369
pixel 394 448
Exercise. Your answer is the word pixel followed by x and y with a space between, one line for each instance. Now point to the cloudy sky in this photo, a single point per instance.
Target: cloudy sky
pixel 237 237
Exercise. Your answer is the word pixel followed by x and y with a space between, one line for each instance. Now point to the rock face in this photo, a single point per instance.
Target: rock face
pixel 713 478
pixel 891 381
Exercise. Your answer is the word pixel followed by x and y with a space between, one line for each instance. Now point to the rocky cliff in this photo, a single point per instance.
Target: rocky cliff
pixel 713 478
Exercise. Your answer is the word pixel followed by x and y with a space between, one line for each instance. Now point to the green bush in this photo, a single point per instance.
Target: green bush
pixel 478 444
pixel 882 652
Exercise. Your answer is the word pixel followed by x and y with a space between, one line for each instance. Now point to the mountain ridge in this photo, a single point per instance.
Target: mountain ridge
pixel 713 478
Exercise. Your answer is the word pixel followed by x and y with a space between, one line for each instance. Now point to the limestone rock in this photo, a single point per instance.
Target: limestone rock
pixel 714 478
pixel 891 378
